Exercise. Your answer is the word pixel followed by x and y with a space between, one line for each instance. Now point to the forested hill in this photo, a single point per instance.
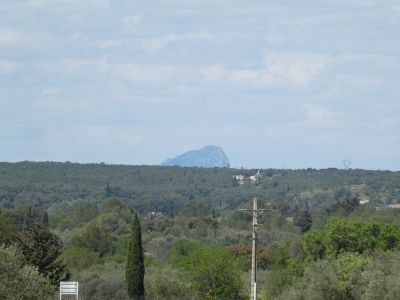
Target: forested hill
pixel 170 190
pixel 191 228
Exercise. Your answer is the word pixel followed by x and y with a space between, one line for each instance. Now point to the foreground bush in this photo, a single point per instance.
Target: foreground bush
pixel 163 282
pixel 19 280
pixel 103 282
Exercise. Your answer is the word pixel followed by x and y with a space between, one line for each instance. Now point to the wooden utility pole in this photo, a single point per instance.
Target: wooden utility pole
pixel 254 212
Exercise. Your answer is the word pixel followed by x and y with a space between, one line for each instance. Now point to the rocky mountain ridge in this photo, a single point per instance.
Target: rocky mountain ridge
pixel 207 157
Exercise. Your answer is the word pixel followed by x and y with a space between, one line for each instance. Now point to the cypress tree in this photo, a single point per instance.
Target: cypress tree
pixel 134 275
pixel 303 219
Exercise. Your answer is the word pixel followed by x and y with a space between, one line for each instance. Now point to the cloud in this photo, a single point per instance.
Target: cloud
pixel 213 73
pixel 132 21
pixel 46 2
pixel 319 115
pixel 87 3
pixel 279 69
pixel 359 82
pixel 98 134
pixel 8 67
pixel 57 101
pixel 14 37
pixel 155 44
pixel 104 72
pixel 23 43
pixel 388 123
pixel 112 43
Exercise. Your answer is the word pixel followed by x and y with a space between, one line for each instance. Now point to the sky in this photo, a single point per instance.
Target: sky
pixel 276 84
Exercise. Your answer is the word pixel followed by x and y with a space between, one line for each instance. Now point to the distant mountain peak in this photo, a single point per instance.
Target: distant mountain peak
pixel 207 157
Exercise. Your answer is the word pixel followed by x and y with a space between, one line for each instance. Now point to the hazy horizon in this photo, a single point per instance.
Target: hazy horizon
pixel 276 85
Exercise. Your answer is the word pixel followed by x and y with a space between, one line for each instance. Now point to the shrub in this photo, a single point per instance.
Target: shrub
pixel 19 280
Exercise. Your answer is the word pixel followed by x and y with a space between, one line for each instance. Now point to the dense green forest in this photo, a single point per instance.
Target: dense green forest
pixel 196 242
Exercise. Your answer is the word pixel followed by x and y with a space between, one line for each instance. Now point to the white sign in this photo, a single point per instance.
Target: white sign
pixel 69 288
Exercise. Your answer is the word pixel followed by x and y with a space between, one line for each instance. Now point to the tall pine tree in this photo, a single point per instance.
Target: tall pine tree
pixel 42 249
pixel 134 275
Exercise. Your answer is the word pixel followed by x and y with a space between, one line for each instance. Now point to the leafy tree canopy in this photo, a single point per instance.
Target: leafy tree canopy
pixel 214 273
